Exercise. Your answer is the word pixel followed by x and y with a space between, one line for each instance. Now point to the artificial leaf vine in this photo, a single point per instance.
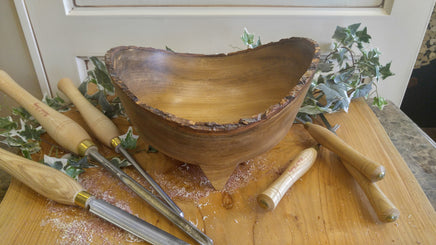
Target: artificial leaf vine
pixel 349 71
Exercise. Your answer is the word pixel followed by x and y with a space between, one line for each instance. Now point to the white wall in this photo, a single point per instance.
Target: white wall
pixel 14 55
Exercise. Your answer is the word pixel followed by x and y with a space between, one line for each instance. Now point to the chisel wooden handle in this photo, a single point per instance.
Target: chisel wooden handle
pixel 372 170
pixel 104 129
pixel 383 207
pixel 47 181
pixel 61 128
pixel 271 197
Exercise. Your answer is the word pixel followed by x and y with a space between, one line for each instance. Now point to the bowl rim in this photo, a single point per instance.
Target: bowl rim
pixel 213 126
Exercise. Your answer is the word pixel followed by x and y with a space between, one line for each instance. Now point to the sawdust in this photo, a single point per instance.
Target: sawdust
pixel 184 182
pixel 79 227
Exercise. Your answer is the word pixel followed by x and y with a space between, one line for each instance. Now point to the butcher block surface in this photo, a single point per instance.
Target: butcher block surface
pixel 326 206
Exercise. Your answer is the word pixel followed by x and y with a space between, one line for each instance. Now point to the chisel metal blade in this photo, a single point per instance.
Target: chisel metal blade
pixel 131 223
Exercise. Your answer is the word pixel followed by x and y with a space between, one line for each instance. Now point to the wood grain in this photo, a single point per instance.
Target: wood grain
pixel 326 206
pixel 47 181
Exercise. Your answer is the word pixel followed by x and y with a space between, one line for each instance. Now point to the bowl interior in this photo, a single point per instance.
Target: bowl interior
pixel 214 88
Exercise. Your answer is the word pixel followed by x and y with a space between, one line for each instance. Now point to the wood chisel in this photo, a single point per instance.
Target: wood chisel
pixel 73 137
pixel 61 188
pixel 327 138
pixel 107 132
pixel 357 165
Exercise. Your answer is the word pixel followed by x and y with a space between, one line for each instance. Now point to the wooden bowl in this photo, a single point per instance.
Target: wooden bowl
pixel 214 111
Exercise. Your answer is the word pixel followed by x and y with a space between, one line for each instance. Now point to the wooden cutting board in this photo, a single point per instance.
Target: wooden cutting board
pixel 325 206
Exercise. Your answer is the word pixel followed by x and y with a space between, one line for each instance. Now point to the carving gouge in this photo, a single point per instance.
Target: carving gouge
pixel 61 188
pixel 383 207
pixel 107 132
pixel 73 137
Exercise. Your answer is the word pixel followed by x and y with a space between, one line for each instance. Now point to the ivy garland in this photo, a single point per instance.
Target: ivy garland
pixel 350 70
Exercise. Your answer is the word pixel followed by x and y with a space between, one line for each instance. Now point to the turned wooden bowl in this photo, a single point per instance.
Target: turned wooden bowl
pixel 215 111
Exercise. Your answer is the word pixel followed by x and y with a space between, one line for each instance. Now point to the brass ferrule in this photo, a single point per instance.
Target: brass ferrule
pixel 115 142
pixel 84 146
pixel 81 198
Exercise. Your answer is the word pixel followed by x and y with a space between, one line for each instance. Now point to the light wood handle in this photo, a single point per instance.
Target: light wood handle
pixel 104 129
pixel 270 198
pixel 383 207
pixel 61 128
pixel 372 170
pixel 47 181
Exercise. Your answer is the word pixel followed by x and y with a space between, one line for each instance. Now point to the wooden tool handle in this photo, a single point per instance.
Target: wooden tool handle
pixel 61 128
pixel 104 129
pixel 47 181
pixel 271 197
pixel 372 170
pixel 383 207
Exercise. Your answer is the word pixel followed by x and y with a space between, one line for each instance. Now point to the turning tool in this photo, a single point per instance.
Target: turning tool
pixel 61 188
pixel 357 165
pixel 372 170
pixel 73 137
pixel 270 198
pixel 107 133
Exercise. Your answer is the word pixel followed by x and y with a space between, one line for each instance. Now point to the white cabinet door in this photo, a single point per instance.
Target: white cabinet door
pixel 61 33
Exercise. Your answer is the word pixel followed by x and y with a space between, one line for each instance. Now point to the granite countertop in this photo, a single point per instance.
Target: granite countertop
pixel 416 147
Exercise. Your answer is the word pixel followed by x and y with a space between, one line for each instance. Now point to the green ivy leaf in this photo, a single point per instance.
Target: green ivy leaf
pixel 363 36
pixel 83 88
pixel 379 102
pixel 344 75
pixel 56 163
pixel 386 71
pixel 73 172
pixel 79 162
pixel 340 34
pixel 353 28
pixel 129 140
pixel 120 163
pixel 108 109
pixel 101 75
pixel 248 39
pixel 56 103
pixel 30 133
pixel 13 140
pixel 151 149
pixel 362 91
pixel 325 67
pixel 21 112
pixel 68 164
pixel 313 110
pixel 7 124
pixel 336 95
pixel 99 65
pixel 340 56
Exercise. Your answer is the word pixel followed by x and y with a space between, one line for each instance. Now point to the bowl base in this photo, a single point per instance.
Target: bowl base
pixel 218 177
